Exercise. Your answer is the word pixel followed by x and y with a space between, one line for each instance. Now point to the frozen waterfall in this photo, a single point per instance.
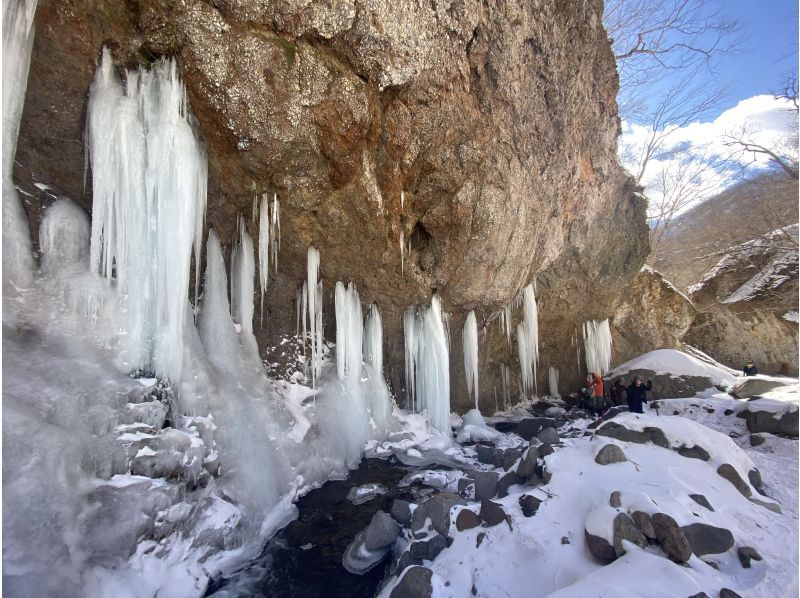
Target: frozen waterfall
pixel 431 365
pixel 552 376
pixel 470 342
pixel 149 196
pixel 528 340
pixel 597 346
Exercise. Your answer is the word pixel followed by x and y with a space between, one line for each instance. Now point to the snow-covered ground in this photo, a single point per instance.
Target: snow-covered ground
pixel 547 554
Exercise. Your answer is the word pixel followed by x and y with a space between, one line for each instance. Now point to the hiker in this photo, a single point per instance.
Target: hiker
pixel 749 369
pixel 617 392
pixel 586 398
pixel 637 394
pixel 598 394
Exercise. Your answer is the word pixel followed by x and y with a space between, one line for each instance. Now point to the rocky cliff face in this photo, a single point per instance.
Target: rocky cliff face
pixel 747 305
pixel 653 315
pixel 496 123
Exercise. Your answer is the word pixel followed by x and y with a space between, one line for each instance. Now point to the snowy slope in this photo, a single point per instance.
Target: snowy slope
pixel 677 363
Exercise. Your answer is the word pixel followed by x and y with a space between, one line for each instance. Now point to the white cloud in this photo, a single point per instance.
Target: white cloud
pixel 767 121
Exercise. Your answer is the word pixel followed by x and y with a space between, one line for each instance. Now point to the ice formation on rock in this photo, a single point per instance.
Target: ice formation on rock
pixel 528 340
pixel 243 271
pixel 553 381
pixel 18 32
pixel 64 235
pixel 410 337
pixel 597 346
pixel 313 300
pixel 263 250
pixel 470 343
pixel 149 193
pixel 430 365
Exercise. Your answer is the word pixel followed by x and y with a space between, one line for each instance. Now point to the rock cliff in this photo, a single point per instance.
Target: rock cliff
pixel 481 136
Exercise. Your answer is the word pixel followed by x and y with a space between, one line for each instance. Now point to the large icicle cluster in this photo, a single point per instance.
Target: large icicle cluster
pixel 427 360
pixel 149 179
pixel 597 346
pixel 470 341
pixel 528 340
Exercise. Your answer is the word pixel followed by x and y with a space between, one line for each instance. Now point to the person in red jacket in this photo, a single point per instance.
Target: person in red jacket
pixel 598 394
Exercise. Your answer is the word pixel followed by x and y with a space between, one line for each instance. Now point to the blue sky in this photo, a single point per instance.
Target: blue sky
pixel 769 47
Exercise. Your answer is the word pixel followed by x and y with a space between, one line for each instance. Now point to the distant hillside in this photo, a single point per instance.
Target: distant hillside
pixel 698 238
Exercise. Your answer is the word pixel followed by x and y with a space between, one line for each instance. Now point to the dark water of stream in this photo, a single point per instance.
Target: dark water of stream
pixel 304 559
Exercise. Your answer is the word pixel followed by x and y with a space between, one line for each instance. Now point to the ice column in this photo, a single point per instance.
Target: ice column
pixel 377 393
pixel 242 279
pixel 263 250
pixel 18 33
pixel 470 341
pixel 410 337
pixel 314 303
pixel 349 331
pixel 553 379
pixel 149 181
pixel 597 346
pixel 432 368
pixel 528 340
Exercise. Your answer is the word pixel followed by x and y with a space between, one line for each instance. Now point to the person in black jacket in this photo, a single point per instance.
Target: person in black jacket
pixel 750 369
pixel 617 392
pixel 637 394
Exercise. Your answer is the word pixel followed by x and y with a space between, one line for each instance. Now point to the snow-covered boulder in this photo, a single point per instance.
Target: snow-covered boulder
pixel 675 374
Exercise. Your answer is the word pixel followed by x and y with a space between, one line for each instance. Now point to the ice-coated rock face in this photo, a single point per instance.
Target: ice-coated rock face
pixel 496 124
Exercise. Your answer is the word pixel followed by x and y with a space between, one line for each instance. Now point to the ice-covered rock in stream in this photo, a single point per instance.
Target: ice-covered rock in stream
pixel 358 495
pixel 358 559
pixel 474 429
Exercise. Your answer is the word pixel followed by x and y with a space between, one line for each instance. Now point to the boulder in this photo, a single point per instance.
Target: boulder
pixel 626 529
pixel 467 519
pixel 549 435
pixel 609 454
pixel 357 559
pixel 491 512
pixel 381 531
pixel 615 500
pixel 619 432
pixel 694 452
pixel 672 540
pixel 669 386
pixel 614 411
pixel 506 482
pixel 702 501
pixel 489 455
pixel 645 523
pixel 728 593
pixel 707 539
pixel 784 424
pixel 600 548
pixel 528 462
pixel 531 426
pixel 747 554
pixel 401 511
pixel 427 549
pixel 756 440
pixel 727 471
pixel 755 386
pixel 414 583
pixel 546 449
pixel 437 509
pixel 529 504
pixel 755 479
pixel 406 560
pixel 510 458
pixel 772 506
pixel 699 595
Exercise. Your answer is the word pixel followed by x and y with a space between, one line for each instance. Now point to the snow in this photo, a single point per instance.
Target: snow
pixel 470 343
pixel 791 316
pixel 676 363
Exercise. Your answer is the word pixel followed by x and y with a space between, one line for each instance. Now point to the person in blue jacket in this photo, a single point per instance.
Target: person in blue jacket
pixel 637 394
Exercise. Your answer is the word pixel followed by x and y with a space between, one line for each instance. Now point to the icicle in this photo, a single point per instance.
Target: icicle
pixel 597 346
pixel 432 368
pixel 298 299
pixel 528 340
pixel 470 342
pixel 255 209
pixel 553 380
pixel 275 231
pixel 314 302
pixel 402 200
pixel 409 331
pixel 243 274
pixel 505 379
pixel 149 178
pixel 349 331
pixel 264 238
pixel 402 262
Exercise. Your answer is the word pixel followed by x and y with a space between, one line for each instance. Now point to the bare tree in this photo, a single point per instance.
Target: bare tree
pixel 747 149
